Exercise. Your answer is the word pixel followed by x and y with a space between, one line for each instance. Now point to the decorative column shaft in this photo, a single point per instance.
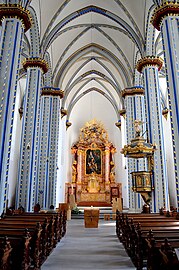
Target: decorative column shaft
pixel 26 188
pixel 150 66
pixel 80 175
pixel 48 153
pixel 106 163
pixel 135 109
pixel 14 19
pixel 166 19
pixel 80 160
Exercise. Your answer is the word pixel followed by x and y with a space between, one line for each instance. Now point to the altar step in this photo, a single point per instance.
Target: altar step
pixel 94 204
pixel 102 212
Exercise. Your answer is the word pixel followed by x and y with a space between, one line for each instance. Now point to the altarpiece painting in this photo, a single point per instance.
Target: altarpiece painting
pixel 93 161
pixel 93 175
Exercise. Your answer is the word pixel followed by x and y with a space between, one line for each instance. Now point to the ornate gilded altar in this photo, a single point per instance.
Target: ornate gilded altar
pixel 93 175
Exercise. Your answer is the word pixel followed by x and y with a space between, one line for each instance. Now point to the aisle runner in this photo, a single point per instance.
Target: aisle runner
pixel 89 248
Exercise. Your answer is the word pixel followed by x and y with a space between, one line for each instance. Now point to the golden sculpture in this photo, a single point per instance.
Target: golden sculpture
pixel 112 177
pixel 139 181
pixel 74 171
pixel 93 132
pixel 137 124
pixel 93 185
pixel 112 171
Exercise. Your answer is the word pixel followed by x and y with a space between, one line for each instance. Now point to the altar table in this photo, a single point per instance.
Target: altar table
pixel 91 218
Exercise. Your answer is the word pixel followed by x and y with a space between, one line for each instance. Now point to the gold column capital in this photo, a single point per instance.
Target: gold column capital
pixel 106 151
pixel 136 90
pixel 80 152
pixel 50 91
pixel 68 124
pixel 35 62
pixel 166 9
pixel 122 112
pixel 63 112
pixel 165 112
pixel 149 61
pixel 16 11
pixel 118 124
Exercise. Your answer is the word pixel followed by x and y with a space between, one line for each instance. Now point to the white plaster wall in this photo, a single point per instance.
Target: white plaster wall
pixel 169 148
pixel 60 197
pixel 170 161
pixel 15 146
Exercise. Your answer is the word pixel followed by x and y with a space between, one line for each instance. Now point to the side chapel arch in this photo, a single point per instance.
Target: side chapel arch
pixel 93 175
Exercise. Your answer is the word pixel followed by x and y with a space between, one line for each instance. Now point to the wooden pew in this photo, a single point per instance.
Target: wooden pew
pixel 123 227
pixel 127 230
pixel 122 219
pixel 142 230
pixel 64 222
pixel 59 222
pixel 45 229
pixel 43 242
pixel 23 244
pixel 47 223
pixel 161 254
pixel 140 250
pixel 133 236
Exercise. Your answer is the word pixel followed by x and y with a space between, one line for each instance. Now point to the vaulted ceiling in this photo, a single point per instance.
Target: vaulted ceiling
pixel 92 45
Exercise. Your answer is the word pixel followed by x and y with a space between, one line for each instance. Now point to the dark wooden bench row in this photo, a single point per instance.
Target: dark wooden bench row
pixel 161 254
pixel 26 240
pixel 133 230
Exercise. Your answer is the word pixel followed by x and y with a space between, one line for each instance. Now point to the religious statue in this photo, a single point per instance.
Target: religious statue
pixel 112 172
pixel 93 185
pixel 137 124
pixel 74 171
pixel 112 177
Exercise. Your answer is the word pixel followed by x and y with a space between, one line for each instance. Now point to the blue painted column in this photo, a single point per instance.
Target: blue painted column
pixel 26 188
pixel 14 20
pixel 135 110
pixel 150 66
pixel 166 20
pixel 49 136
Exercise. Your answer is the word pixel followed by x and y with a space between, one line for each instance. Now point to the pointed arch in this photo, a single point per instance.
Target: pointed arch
pixel 34 35
pixel 97 49
pixel 72 104
pixel 79 79
pixel 46 41
pixel 88 27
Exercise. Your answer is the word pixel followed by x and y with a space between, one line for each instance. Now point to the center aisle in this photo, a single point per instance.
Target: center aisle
pixel 89 248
